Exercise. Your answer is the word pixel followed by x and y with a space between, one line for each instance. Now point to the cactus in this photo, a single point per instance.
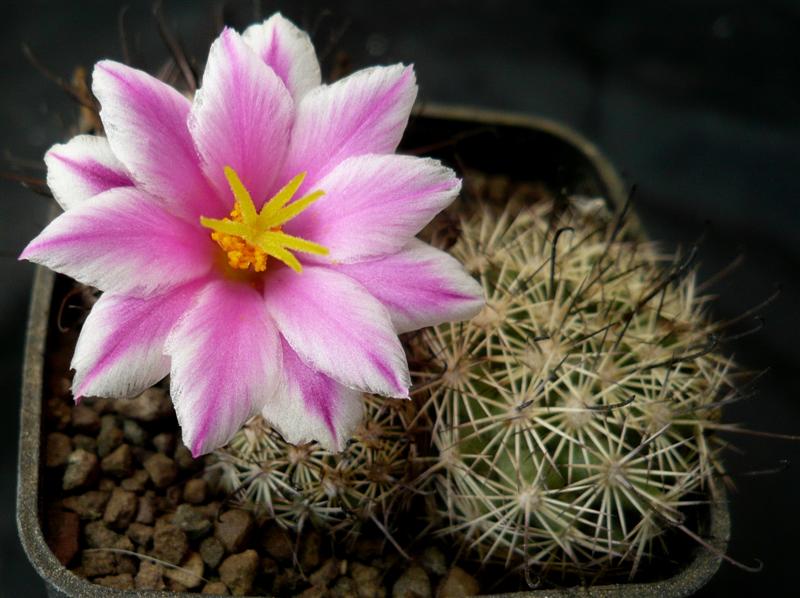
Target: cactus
pixel 571 419
pixel 306 484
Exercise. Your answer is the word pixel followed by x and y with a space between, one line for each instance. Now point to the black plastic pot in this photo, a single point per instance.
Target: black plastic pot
pixel 519 146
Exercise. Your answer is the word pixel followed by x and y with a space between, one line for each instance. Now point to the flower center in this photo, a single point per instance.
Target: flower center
pixel 249 237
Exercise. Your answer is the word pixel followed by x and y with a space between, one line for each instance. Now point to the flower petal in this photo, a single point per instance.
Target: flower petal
pixel 288 51
pixel 338 328
pixel 145 121
pixel 122 241
pixel 226 364
pixel 241 117
pixel 373 205
pixel 120 351
pixel 420 286
pixel 360 114
pixel 81 168
pixel 312 406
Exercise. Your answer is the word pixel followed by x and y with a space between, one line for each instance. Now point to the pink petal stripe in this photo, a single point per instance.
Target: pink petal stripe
pixel 120 351
pixel 241 117
pixel 226 364
pixel 288 51
pixel 81 168
pixel 338 328
pixel 360 114
pixel 312 406
pixel 122 241
pixel 373 205
pixel 420 286
pixel 146 124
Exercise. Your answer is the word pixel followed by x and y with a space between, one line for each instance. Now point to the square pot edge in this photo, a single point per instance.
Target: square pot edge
pixel 60 581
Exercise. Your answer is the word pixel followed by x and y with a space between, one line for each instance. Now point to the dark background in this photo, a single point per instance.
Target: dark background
pixel 695 101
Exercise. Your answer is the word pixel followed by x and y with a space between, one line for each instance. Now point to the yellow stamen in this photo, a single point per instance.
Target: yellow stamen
pixel 248 237
pixel 243 200
pixel 281 198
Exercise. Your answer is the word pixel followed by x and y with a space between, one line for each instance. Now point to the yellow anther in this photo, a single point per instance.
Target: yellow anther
pixel 248 237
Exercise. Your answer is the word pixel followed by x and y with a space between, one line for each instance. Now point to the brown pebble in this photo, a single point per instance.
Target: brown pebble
pixel 87 443
pixel 95 564
pixel 119 462
pixel 174 495
pixel 59 413
pixel 212 552
pixel 106 485
pixel 98 535
pixel 169 543
pixel 121 508
pixel 63 531
pixel 195 491
pixel 412 583
pixel 277 543
pixel 162 470
pixel 125 562
pixel 326 574
pixel 191 520
pixel 110 436
pixel 164 442
pixel 190 574
pixel 99 404
pixel 287 581
pixel 215 587
pixel 176 587
pixel 59 446
pixel 184 459
pixel 233 528
pixel 151 405
pixel 90 505
pixel 310 550
pixel 433 561
pixel 140 533
pixel 367 580
pixel 81 470
pixel 313 592
pixel 85 419
pixel 212 509
pixel 118 582
pixel 133 432
pixel 238 572
pixel 457 583
pixel 150 576
pixel 136 482
pixel 147 509
pixel 344 588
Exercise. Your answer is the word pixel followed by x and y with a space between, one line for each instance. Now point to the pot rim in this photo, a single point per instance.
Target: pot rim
pixel 62 582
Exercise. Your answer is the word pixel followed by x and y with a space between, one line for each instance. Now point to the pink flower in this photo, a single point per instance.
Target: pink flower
pixel 253 301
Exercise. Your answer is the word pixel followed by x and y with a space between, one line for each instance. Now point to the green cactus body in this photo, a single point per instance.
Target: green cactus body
pixel 570 417
pixel 300 485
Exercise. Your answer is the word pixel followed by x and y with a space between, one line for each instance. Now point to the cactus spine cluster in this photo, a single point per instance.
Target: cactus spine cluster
pixel 571 418
pixel 302 485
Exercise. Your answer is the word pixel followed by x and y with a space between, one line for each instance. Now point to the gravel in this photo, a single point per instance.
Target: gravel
pixel 457 583
pixel 161 469
pixel 238 572
pixel 129 484
pixel 413 583
pixel 121 509
pixel 233 529
pixel 169 543
pixel 81 469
